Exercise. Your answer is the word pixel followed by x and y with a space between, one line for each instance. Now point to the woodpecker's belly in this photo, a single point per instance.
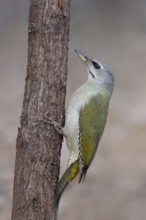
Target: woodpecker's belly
pixel 71 131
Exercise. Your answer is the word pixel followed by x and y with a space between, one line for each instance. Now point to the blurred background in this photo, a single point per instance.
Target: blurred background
pixel 115 33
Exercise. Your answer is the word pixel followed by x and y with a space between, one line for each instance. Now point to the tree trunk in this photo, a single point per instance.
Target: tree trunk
pixel 38 144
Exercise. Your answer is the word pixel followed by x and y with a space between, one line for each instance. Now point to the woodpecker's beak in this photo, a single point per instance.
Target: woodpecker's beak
pixel 84 58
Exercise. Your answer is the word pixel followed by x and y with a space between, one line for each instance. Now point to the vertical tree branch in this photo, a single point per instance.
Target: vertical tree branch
pixel 38 144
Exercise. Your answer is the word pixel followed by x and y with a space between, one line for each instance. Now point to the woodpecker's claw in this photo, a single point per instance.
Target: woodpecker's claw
pixel 55 124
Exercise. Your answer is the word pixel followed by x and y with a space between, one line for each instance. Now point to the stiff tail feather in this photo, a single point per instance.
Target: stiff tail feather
pixel 83 174
pixel 67 177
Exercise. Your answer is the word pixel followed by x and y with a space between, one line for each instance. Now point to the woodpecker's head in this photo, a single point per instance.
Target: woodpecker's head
pixel 96 71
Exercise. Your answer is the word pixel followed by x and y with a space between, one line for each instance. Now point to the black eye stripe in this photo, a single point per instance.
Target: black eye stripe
pixel 96 65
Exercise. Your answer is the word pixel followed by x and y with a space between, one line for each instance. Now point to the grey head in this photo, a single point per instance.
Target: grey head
pixel 97 72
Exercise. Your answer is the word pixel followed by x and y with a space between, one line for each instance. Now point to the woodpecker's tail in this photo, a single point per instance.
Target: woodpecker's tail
pixel 83 174
pixel 67 177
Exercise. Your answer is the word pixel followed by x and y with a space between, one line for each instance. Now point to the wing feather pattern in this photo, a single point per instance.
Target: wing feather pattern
pixel 92 120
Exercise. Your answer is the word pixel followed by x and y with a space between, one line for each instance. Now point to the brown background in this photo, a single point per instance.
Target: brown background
pixel 115 33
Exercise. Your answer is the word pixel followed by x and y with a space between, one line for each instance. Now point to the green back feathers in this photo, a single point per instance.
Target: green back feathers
pixel 92 120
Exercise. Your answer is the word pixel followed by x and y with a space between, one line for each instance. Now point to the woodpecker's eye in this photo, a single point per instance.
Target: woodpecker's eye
pixel 96 65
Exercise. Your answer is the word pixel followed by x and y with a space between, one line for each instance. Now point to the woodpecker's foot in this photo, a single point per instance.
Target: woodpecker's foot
pixel 55 124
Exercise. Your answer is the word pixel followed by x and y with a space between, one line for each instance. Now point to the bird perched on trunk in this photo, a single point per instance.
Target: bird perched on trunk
pixel 85 121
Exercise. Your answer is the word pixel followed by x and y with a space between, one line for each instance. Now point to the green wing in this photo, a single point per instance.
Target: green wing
pixel 92 120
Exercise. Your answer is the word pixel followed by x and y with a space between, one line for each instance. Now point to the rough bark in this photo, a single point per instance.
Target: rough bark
pixel 38 144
